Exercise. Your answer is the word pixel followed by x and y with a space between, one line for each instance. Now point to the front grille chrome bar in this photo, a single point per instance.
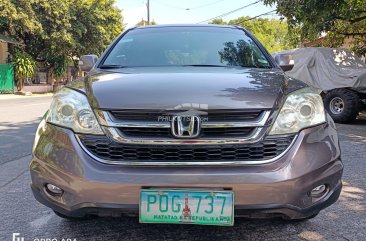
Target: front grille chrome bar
pixel 110 128
pixel 259 122
pixel 118 136
pixel 106 120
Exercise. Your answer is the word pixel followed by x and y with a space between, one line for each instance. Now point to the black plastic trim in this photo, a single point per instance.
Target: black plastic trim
pixel 284 211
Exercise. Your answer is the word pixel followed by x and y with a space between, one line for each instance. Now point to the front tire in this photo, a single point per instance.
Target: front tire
pixel 342 105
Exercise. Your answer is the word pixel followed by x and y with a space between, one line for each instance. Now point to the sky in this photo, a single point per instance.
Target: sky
pixel 175 11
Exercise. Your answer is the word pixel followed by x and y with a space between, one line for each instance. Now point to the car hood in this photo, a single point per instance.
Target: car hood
pixel 166 88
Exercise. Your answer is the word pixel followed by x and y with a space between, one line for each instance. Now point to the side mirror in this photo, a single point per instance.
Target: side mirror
pixel 285 61
pixel 87 62
pixel 286 67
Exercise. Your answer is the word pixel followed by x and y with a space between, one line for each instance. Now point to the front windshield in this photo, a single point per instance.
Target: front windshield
pixel 184 46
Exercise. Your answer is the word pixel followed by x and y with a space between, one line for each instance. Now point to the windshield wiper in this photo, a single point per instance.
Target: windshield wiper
pixel 204 65
pixel 112 66
pixel 227 66
pixel 255 66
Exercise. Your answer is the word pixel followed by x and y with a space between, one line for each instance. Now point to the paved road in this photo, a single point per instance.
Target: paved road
pixel 20 213
pixel 19 117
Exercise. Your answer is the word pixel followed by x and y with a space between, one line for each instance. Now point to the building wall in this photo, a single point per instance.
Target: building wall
pixel 3 52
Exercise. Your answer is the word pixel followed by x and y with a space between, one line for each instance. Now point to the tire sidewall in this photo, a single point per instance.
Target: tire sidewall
pixel 351 105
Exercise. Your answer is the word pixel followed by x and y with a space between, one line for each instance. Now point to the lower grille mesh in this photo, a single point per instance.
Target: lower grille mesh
pixel 104 148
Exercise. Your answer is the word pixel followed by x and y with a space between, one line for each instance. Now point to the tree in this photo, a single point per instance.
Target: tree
pixel 218 21
pixel 272 33
pixel 144 23
pixel 96 23
pixel 338 18
pixel 54 31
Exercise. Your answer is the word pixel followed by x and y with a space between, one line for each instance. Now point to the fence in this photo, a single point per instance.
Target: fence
pixel 6 78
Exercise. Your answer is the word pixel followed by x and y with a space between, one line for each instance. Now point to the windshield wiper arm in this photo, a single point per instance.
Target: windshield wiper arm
pixel 204 65
pixel 227 66
pixel 256 66
pixel 112 66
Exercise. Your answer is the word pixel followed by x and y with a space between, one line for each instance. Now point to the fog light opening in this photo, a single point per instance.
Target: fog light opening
pixel 319 191
pixel 54 190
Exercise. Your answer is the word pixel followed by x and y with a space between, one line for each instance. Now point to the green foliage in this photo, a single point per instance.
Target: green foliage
pixel 59 65
pixel 25 67
pixel 218 21
pixel 95 24
pixel 61 29
pixel 338 18
pixel 144 23
pixel 272 33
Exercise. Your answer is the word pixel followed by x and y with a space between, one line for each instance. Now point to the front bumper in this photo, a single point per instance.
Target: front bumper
pixel 279 188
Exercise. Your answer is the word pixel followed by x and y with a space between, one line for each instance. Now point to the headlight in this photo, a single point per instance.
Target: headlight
pixel 302 108
pixel 71 109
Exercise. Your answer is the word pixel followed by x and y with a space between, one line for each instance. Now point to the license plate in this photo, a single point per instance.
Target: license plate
pixel 187 207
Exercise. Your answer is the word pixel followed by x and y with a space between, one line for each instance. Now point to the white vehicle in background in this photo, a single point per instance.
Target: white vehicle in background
pixel 339 73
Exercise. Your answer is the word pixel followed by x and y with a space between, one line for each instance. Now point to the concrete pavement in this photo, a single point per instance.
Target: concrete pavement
pixel 18 96
pixel 20 213
pixel 19 117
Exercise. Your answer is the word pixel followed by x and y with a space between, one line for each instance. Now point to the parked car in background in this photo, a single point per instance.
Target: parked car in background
pixel 186 124
pixel 338 73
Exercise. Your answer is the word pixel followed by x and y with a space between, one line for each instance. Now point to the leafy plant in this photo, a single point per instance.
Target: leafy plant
pixel 59 65
pixel 25 67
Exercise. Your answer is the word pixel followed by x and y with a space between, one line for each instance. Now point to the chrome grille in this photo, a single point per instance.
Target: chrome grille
pixel 129 126
pixel 232 132
pixel 166 132
pixel 212 115
pixel 227 137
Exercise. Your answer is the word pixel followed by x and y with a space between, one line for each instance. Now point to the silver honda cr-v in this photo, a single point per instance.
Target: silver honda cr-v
pixel 186 124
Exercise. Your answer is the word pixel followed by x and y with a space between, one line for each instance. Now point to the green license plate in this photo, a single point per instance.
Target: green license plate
pixel 187 207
